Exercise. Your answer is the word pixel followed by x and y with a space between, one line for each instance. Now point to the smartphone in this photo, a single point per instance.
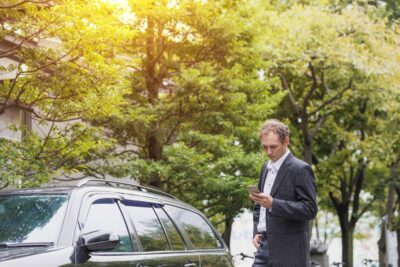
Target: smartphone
pixel 253 189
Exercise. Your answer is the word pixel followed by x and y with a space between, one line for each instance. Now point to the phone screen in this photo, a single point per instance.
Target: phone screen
pixel 253 189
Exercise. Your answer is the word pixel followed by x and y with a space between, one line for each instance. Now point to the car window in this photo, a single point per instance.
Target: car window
pixel 31 218
pixel 197 229
pixel 174 236
pixel 148 227
pixel 105 215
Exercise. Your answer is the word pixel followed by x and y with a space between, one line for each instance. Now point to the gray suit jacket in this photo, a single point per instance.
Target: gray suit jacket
pixel 294 205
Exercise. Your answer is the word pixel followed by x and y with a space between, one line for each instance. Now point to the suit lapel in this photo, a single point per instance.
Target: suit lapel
pixel 281 175
pixel 263 177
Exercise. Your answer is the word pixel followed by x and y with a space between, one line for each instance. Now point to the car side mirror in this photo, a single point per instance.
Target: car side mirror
pixel 100 240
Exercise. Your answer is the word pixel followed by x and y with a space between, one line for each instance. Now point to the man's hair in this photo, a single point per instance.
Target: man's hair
pixel 277 127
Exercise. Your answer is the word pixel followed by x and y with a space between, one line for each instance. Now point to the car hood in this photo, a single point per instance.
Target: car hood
pixel 13 253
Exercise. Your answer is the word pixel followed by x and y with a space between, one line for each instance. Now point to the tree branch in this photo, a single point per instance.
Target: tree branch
pixel 343 191
pixel 335 201
pixel 24 2
pixel 331 100
pixel 359 182
pixel 178 123
pixel 8 96
pixel 51 62
pixel 286 87
pixel 334 185
pixel 37 156
pixel 312 88
pixel 11 51
pixel 355 217
pixel 318 126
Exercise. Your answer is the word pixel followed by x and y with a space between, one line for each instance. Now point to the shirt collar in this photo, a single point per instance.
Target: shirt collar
pixel 277 164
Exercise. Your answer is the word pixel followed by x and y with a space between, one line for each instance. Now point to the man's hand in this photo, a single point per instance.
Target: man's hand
pixel 262 199
pixel 256 240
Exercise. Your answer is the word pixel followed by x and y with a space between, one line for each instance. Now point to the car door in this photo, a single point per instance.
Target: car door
pixel 101 213
pixel 160 242
pixel 203 238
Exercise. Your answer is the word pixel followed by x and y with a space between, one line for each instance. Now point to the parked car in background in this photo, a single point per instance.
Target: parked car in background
pixel 105 223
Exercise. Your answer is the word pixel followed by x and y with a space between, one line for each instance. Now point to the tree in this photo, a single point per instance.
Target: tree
pixel 355 172
pixel 389 208
pixel 189 125
pixel 73 79
pixel 389 8
pixel 35 159
pixel 324 59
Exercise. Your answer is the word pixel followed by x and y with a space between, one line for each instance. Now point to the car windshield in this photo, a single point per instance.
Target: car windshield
pixel 31 218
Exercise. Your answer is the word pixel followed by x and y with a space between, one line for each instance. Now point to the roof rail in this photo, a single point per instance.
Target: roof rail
pixel 86 181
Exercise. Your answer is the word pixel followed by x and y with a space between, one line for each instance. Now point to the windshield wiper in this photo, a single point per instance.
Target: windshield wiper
pixel 33 244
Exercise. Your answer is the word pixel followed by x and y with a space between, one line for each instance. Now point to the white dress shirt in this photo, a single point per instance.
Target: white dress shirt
pixel 273 168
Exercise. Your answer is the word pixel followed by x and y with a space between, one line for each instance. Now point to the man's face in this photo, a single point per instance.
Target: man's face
pixel 273 146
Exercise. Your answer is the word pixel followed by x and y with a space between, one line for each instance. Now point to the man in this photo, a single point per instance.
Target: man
pixel 285 205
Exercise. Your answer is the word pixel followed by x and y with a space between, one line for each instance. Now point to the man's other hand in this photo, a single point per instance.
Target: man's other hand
pixel 256 240
pixel 262 199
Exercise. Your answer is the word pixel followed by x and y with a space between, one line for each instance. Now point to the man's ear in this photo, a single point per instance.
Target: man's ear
pixel 286 141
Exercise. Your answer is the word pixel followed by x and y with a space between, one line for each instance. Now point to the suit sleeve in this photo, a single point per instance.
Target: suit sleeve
pixel 256 217
pixel 256 209
pixel 305 205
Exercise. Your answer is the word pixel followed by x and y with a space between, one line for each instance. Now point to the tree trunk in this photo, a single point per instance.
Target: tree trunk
pixel 391 206
pixel 398 246
pixel 307 152
pixel 389 213
pixel 351 248
pixel 347 239
pixel 155 153
pixel 228 230
pixel 154 148
pixel 347 246
pixel 382 247
pixel 347 229
pixel 307 140
pixel 307 157
pixel 27 123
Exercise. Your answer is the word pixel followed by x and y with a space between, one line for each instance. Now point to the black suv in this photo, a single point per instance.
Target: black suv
pixel 105 223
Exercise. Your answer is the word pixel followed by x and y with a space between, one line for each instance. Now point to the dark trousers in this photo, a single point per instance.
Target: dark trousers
pixel 263 255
